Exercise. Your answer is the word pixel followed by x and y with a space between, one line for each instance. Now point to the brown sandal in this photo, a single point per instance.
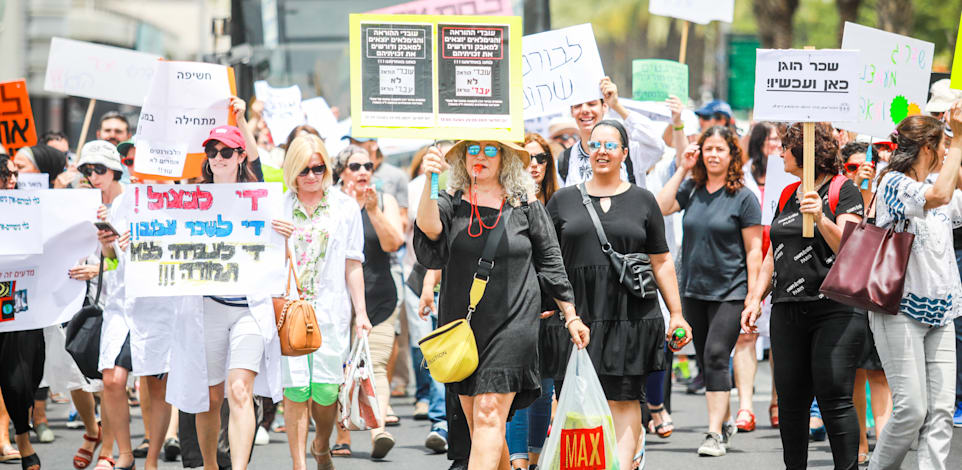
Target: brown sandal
pixel 324 459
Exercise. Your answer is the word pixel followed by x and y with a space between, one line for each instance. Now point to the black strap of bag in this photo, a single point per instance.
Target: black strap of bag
pixel 486 261
pixel 100 281
pixel 634 269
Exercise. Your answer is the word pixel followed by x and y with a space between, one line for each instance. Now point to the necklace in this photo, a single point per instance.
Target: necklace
pixel 476 211
pixel 799 192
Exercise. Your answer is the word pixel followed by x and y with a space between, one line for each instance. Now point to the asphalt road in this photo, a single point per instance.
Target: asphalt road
pixel 760 449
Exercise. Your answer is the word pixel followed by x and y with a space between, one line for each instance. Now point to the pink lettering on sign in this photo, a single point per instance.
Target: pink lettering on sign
pixel 179 199
pixel 253 194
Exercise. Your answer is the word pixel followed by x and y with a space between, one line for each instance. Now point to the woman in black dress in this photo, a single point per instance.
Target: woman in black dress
pixel 505 323
pixel 629 331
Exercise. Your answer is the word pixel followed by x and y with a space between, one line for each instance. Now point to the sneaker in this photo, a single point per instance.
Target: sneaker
pixel 171 449
pixel 712 446
pixel 957 418
pixel 73 420
pixel 728 430
pixel 262 438
pixel 437 440
pixel 695 385
pixel 421 411
pixel 459 464
pixel 44 433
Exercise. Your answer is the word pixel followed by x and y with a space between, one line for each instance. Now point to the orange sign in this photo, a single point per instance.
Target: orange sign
pixel 17 126
pixel 583 449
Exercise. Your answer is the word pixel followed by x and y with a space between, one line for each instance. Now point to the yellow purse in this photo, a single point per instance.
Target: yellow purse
pixel 451 352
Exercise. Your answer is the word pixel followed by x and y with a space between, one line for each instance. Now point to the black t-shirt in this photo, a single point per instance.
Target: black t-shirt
pixel 714 261
pixel 801 264
pixel 380 293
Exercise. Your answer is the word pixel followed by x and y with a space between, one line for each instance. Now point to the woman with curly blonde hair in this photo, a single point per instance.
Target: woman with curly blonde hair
pixel 489 185
pixel 721 254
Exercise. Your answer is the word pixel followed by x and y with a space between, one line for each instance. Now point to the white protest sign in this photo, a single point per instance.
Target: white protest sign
pixel 33 181
pixel 320 116
pixel 282 108
pixel 560 68
pixel 696 11
pixel 79 68
pixel 35 291
pixel 210 239
pixel 776 179
pixel 21 232
pixel 893 78
pixel 186 101
pixel 796 85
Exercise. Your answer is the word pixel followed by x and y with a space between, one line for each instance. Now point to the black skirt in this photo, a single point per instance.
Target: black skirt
pixel 22 354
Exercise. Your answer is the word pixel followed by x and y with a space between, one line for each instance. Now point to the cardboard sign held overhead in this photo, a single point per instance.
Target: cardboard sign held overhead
pixel 436 77
pixel 893 79
pixel 696 11
pixel 656 80
pixel 560 68
pixel 186 101
pixel 79 68
pixel 282 108
pixel 17 126
pixel 449 7
pixel 956 81
pixel 795 85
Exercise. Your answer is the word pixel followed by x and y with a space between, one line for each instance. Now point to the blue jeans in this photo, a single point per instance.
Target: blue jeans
pixel 426 388
pixel 530 425
pixel 958 343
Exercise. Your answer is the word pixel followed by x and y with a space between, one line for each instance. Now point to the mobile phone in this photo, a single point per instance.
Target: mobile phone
pixel 106 226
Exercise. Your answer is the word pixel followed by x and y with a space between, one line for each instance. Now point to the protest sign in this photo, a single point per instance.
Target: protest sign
pixel 806 85
pixel 282 108
pixel 696 11
pixel 320 116
pixel 560 68
pixel 21 231
pixel 79 68
pixel 212 239
pixel 956 77
pixel 449 7
pixel 33 181
pixel 776 179
pixel 436 77
pixel 186 101
pixel 35 291
pixel 656 80
pixel 893 78
pixel 17 127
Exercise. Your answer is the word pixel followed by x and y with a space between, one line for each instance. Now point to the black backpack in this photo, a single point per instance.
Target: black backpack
pixel 565 159
pixel 83 333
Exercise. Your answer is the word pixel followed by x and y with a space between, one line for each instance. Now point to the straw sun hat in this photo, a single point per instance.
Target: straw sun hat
pixel 508 150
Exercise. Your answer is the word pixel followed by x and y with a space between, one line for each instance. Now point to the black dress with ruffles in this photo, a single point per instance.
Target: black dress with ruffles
pixel 506 321
pixel 627 333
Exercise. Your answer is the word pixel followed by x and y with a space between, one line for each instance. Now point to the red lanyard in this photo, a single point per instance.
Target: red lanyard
pixel 475 210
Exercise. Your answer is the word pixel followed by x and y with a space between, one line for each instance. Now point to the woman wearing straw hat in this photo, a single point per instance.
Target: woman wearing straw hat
pixel 489 185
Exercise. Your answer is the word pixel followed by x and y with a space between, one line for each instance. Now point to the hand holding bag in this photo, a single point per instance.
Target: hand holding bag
pixel 296 322
pixel 83 333
pixel 634 269
pixel 869 270
pixel 357 400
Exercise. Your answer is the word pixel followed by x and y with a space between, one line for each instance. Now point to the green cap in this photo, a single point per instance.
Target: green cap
pixel 125 146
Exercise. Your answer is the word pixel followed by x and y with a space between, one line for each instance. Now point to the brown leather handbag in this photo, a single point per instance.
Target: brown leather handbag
pixel 296 322
pixel 869 270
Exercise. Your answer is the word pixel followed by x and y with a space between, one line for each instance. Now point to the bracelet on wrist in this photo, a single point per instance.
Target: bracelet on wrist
pixel 572 320
pixel 679 127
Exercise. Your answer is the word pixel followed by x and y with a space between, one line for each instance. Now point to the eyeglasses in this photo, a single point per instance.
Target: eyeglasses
pixel 224 153
pixel 490 151
pixel 563 137
pixel 851 167
pixel 357 166
pixel 541 158
pixel 609 146
pixel 88 169
pixel 317 170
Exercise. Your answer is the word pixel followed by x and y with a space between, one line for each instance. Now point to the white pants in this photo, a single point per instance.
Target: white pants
pixel 230 333
pixel 919 363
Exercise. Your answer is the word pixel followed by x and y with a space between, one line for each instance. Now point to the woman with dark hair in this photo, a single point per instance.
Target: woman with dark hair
pixel 919 189
pixel 8 172
pixel 720 257
pixel 43 159
pixel 542 167
pixel 629 332
pixel 819 341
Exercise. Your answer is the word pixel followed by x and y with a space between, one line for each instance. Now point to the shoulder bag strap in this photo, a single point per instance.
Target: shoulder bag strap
pixel 605 246
pixel 486 262
pixel 100 281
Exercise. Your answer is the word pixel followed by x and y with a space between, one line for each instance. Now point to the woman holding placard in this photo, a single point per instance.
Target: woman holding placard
pixel 818 340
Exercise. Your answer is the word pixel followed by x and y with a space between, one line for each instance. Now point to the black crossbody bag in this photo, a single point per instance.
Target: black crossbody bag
pixel 634 269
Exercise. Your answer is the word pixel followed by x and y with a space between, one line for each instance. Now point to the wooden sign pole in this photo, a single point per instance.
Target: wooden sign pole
pixel 808 169
pixel 86 125
pixel 683 52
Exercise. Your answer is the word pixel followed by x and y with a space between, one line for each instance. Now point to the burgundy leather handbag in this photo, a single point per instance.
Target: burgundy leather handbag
pixel 869 270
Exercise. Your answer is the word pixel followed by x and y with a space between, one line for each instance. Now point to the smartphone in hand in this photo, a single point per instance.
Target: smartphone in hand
pixel 101 225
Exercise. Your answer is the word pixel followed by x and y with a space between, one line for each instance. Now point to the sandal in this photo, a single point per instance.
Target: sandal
pixel 132 466
pixel 862 458
pixel 664 429
pixel 105 463
pixel 392 421
pixel 638 462
pixel 84 457
pixel 30 462
pixel 745 425
pixel 341 450
pixel 141 451
pixel 324 459
pixel 383 444
pixel 773 414
pixel 9 453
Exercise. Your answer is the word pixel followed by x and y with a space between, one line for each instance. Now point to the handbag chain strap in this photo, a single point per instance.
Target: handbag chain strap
pixel 486 261
pixel 605 246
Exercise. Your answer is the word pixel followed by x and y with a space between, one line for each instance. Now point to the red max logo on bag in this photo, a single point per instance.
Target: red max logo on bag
pixel 582 449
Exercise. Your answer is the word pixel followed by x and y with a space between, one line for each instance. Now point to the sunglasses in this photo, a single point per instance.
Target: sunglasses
pixel 224 153
pixel 851 167
pixel 563 137
pixel 357 166
pixel 490 151
pixel 609 146
pixel 88 169
pixel 128 161
pixel 317 170
pixel 541 158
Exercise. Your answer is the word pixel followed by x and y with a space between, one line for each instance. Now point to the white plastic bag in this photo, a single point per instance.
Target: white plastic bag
pixel 582 433
pixel 357 399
